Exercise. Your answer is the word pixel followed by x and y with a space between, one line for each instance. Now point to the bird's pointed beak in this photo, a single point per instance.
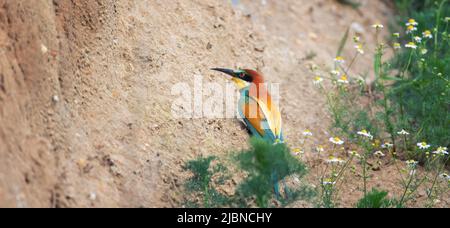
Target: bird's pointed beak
pixel 225 71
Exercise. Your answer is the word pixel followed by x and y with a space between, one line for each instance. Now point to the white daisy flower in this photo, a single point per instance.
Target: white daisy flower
pixel 328 181
pixel 377 26
pixel 334 160
pixel 343 79
pixel 411 45
pixel 444 176
pixel 427 34
pixel 335 73
pixel 339 59
pixel 441 151
pixel 318 80
pixel 412 22
pixel 397 46
pixel 397 35
pixel 359 49
pixel 297 152
pixel 423 145
pixel 336 141
pixel 365 133
pixel 410 29
pixel 418 39
pixel 307 133
pixel 379 154
pixel 403 132
pixel 387 145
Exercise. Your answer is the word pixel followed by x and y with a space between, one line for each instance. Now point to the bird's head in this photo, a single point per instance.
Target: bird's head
pixel 250 76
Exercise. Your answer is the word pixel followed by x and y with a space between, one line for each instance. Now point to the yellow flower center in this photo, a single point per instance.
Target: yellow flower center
pixel 339 58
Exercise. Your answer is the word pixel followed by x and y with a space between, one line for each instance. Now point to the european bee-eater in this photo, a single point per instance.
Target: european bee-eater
pixel 256 107
pixel 259 112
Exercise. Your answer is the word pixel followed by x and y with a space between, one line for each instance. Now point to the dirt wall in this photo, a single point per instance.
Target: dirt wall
pixel 85 89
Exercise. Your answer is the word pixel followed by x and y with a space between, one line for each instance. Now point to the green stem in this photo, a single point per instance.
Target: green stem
pixel 406 191
pixel 398 168
pixel 352 62
pixel 341 173
pixel 402 76
pixel 436 32
pixel 430 193
pixel 206 199
pixel 404 143
pixel 408 65
pixel 364 161
pixel 415 188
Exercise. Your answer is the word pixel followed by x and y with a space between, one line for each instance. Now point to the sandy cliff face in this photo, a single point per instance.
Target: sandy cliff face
pixel 28 79
pixel 85 89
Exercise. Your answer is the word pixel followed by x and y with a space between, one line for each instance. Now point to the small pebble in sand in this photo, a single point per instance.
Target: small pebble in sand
pixel 313 36
pixel 44 49
pixel 92 196
pixel 55 98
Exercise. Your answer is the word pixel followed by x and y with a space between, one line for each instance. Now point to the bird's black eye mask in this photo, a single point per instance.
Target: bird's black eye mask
pixel 242 74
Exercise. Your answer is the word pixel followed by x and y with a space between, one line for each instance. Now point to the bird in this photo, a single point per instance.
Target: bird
pixel 258 110
pixel 256 106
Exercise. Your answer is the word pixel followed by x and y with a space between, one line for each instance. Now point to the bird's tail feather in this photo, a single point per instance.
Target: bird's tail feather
pixel 276 188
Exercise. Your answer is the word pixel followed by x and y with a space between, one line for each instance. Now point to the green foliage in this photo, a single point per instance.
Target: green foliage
pixel 264 165
pixel 343 42
pixel 348 116
pixel 412 91
pixel 423 94
pixel 202 182
pixel 409 7
pixel 351 3
pixel 375 199
pixel 267 164
pixel 265 158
